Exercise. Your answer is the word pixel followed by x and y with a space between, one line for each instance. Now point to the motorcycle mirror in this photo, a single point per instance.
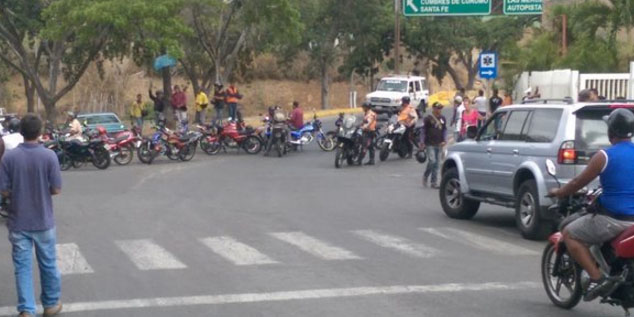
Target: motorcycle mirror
pixel 550 168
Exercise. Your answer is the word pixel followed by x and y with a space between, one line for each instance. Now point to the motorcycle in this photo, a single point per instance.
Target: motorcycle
pixel 122 145
pixel 76 153
pixel 309 132
pixel 166 142
pixel 229 136
pixel 277 135
pixel 349 143
pixel 560 272
pixel 395 140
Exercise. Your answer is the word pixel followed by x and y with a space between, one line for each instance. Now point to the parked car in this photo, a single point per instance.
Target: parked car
pixel 109 120
pixel 505 163
pixel 387 96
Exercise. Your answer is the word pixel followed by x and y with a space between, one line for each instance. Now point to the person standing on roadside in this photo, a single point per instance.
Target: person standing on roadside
pixel 369 131
pixel 508 100
pixel 29 177
pixel 233 96
pixel 469 118
pixel 456 120
pixel 219 101
pixel 433 139
pixel 481 105
pixel 136 112
pixel 297 117
pixel 159 105
pixel 408 117
pixel 202 102
pixel 495 101
pixel 179 104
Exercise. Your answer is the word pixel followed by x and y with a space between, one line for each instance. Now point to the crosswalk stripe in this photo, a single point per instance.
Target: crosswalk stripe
pixel 479 241
pixel 400 244
pixel 314 246
pixel 236 252
pixel 70 260
pixel 147 255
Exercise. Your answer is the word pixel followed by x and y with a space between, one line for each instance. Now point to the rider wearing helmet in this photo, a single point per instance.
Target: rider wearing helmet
pixel 614 210
pixel 75 128
pixel 14 138
pixel 369 130
pixel 408 117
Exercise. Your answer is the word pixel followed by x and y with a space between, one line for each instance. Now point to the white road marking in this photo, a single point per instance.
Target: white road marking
pixel 70 260
pixel 314 246
pixel 479 241
pixel 400 244
pixel 284 296
pixel 236 252
pixel 147 255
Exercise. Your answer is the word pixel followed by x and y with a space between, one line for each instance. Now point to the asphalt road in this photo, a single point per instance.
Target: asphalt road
pixel 241 235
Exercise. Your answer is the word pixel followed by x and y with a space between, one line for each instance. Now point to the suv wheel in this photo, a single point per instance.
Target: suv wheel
pixel 527 213
pixel 453 202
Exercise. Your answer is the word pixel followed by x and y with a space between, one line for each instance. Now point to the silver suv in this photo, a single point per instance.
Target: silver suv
pixel 505 163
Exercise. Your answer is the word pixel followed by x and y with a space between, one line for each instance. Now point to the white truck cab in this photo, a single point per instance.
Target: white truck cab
pixel 387 96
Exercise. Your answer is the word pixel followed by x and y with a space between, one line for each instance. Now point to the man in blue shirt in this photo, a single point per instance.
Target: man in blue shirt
pixel 616 204
pixel 29 176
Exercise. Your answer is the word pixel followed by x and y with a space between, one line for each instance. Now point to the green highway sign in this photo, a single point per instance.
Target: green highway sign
pixel 517 7
pixel 446 7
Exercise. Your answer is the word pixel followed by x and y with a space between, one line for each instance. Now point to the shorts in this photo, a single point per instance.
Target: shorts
pixel 596 229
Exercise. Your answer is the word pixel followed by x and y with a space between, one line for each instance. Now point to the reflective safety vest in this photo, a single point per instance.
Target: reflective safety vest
pixel 232 95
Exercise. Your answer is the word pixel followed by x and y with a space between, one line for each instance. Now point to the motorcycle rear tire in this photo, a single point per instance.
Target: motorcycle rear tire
pixel 278 148
pixel 326 143
pixel 146 153
pixel 252 145
pixel 575 270
pixel 125 155
pixel 101 158
pixel 187 153
pixel 173 153
pixel 402 151
pixel 65 162
pixel 339 157
pixel 385 152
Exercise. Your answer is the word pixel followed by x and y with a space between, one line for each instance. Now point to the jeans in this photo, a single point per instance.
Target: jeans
pixel 137 122
pixel 22 243
pixel 368 140
pixel 181 118
pixel 433 157
pixel 232 110
pixel 158 117
pixel 218 117
pixel 201 116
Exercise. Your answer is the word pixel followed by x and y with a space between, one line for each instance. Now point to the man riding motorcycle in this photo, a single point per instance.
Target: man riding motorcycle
pixel 614 211
pixel 408 117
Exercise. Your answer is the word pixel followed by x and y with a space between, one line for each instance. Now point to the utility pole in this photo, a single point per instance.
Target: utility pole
pixel 564 35
pixel 397 36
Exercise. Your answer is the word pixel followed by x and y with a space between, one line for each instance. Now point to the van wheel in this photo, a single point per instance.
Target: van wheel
pixel 528 215
pixel 453 202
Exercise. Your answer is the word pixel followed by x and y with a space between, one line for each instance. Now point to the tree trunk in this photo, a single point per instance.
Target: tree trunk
pixel 29 92
pixel 49 106
pixel 455 77
pixel 167 92
pixel 325 88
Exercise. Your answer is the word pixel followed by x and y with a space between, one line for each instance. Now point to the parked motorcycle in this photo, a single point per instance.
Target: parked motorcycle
pixel 311 131
pixel 230 136
pixel 76 153
pixel 122 145
pixel 349 143
pixel 395 140
pixel 564 279
pixel 277 138
pixel 168 143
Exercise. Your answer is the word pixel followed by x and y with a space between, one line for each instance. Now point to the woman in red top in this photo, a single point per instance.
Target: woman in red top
pixel 470 117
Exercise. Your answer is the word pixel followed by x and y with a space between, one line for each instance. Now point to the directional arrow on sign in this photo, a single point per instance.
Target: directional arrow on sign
pixel 410 3
pixel 487 72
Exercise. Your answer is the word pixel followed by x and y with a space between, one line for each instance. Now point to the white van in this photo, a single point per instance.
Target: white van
pixel 387 96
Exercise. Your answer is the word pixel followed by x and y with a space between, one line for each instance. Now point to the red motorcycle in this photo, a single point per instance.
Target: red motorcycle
pixel 565 281
pixel 230 135
pixel 122 145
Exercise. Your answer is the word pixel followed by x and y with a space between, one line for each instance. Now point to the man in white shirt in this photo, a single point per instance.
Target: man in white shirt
pixel 14 138
pixel 481 104
pixel 456 121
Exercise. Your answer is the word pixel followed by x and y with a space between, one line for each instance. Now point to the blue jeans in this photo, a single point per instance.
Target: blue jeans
pixel 22 243
pixel 232 111
pixel 218 117
pixel 433 156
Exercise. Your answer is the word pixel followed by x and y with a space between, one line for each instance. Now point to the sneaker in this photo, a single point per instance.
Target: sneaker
pixel 371 162
pixel 599 288
pixel 52 311
pixel 25 314
pixel 435 185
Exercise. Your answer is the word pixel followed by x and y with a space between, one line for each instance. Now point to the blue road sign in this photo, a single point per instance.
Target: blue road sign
pixel 488 65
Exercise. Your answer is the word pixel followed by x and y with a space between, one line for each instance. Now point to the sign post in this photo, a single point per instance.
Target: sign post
pixel 446 7
pixel 488 62
pixel 523 7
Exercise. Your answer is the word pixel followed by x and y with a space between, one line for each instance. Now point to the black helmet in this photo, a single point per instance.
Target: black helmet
pixel 406 100
pixel 620 123
pixel 366 105
pixel 421 156
pixel 14 125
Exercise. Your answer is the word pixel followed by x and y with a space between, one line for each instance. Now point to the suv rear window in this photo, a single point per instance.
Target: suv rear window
pixel 591 133
pixel 544 125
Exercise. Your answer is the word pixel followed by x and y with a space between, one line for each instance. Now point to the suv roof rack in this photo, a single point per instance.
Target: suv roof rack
pixel 613 101
pixel 547 101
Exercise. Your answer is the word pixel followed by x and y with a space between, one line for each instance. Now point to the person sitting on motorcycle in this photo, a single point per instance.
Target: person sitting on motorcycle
pixel 14 138
pixel 614 210
pixel 75 128
pixel 296 121
pixel 369 131
pixel 408 117
pixel 339 121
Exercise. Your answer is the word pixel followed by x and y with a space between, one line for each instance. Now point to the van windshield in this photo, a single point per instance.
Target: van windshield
pixel 392 85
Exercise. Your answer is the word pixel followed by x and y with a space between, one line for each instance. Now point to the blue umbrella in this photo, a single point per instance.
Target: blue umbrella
pixel 164 61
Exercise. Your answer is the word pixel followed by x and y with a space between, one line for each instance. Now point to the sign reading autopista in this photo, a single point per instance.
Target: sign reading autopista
pixel 512 7
pixel 446 7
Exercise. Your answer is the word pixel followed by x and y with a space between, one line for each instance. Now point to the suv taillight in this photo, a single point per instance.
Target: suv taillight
pixel 567 153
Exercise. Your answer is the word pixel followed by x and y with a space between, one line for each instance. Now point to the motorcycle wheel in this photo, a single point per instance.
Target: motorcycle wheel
pixel 278 148
pixel 65 162
pixel 101 158
pixel 252 145
pixel 172 152
pixel 187 153
pixel 361 155
pixel 326 143
pixel 378 142
pixel 402 151
pixel 125 155
pixel 77 164
pixel 213 148
pixel 339 157
pixel 569 279
pixel 385 152
pixel 145 152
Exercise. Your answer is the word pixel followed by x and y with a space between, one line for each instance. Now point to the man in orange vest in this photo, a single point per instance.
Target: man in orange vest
pixel 408 117
pixel 232 99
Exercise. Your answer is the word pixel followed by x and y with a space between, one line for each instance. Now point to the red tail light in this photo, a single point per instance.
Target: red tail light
pixel 567 153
